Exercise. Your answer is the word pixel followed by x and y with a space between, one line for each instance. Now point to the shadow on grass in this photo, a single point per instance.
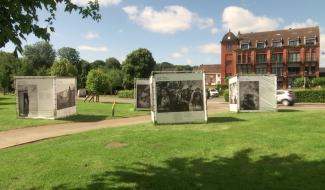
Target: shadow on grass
pixel 236 172
pixel 223 119
pixel 288 110
pixel 84 118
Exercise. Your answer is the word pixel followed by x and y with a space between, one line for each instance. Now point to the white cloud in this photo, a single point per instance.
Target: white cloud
pixel 90 36
pixel 189 61
pixel 170 20
pixel 214 30
pixel 177 55
pixel 308 23
pixel 240 19
pixel 92 48
pixel 101 2
pixel 181 53
pixel 210 48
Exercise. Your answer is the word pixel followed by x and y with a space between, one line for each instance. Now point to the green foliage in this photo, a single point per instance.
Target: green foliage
pixel 320 81
pixel 85 67
pixel 21 18
pixel 125 94
pixel 299 82
pixel 63 68
pixel 97 82
pixel 138 64
pixel 112 63
pixel 165 66
pixel 226 95
pixel 310 95
pixel 97 64
pixel 71 54
pixel 115 78
pixel 40 55
pixel 221 88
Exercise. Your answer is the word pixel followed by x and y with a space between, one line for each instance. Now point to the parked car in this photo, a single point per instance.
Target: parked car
pixel 213 92
pixel 285 97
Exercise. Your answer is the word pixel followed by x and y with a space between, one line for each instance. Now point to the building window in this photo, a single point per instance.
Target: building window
pixel 310 41
pixel 261 70
pixel 260 45
pixel 277 58
pixel 293 42
pixel 229 47
pixel 294 57
pixel 277 71
pixel 260 58
pixel 307 56
pixel 218 75
pixel 313 56
pixel 244 46
pixel 228 62
pixel 276 44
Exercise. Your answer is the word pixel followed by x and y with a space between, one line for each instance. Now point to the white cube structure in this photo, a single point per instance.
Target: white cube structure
pixel 142 94
pixel 178 98
pixel 253 93
pixel 45 96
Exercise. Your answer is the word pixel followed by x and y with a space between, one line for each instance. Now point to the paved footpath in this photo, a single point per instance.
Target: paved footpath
pixel 31 134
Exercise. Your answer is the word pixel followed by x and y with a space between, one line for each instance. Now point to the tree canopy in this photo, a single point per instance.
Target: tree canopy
pixel 71 54
pixel 63 68
pixel 112 63
pixel 97 81
pixel 40 54
pixel 20 18
pixel 138 64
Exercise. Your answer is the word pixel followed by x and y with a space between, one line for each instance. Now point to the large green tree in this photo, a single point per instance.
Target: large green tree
pixel 20 18
pixel 82 75
pixel 98 64
pixel 97 82
pixel 112 63
pixel 115 79
pixel 41 56
pixel 71 54
pixel 138 64
pixel 63 68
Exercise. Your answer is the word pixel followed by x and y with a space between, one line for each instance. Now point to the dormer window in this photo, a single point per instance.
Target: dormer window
pixel 276 43
pixel 293 42
pixel 310 41
pixel 260 45
pixel 244 46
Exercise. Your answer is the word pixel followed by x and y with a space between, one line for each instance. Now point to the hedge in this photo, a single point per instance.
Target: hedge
pixel 125 93
pixel 226 95
pixel 310 96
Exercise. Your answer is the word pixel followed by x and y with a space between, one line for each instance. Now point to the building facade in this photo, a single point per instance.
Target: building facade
pixel 212 74
pixel 289 54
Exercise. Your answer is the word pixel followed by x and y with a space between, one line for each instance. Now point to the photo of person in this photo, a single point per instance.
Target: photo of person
pixel 249 95
pixel 143 96
pixel 233 93
pixel 179 96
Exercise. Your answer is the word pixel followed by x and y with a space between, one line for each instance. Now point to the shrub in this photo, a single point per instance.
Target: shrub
pixel 318 82
pixel 97 82
pixel 125 93
pixel 310 96
pixel 221 88
pixel 226 95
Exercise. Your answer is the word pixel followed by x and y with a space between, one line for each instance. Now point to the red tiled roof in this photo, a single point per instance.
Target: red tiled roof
pixel 215 68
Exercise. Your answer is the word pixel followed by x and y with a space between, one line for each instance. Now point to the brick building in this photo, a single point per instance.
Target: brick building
pixel 212 74
pixel 289 54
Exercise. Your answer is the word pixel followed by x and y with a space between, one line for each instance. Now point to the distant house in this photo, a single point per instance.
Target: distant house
pixel 212 74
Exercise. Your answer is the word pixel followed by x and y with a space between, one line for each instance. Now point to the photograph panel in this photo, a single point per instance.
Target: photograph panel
pixel 66 98
pixel 249 95
pixel 143 96
pixel 233 99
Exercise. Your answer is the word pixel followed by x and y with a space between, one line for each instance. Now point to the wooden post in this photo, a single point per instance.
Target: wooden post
pixel 113 108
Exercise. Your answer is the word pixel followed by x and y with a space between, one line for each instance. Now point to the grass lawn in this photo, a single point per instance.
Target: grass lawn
pixel 283 150
pixel 86 112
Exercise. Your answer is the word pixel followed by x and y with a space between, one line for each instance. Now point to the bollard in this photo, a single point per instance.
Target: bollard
pixel 113 108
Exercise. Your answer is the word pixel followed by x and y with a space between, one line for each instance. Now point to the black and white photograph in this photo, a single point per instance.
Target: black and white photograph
pixel 249 95
pixel 66 98
pixel 233 93
pixel 179 96
pixel 143 96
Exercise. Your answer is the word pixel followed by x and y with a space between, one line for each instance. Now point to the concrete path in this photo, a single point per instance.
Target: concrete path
pixel 31 134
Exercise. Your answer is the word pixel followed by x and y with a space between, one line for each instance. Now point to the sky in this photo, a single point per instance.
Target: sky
pixel 185 32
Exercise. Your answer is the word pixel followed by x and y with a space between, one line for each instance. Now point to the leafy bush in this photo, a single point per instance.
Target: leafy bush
pixel 221 88
pixel 63 68
pixel 125 94
pixel 97 82
pixel 310 96
pixel 320 81
pixel 226 95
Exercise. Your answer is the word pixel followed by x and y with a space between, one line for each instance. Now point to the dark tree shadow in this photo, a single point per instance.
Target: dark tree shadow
pixel 84 118
pixel 5 103
pixel 223 119
pixel 288 110
pixel 237 172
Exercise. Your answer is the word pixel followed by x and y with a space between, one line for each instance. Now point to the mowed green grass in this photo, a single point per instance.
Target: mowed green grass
pixel 253 151
pixel 86 112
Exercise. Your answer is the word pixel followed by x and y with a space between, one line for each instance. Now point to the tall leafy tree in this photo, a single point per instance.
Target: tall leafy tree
pixel 112 63
pixel 98 64
pixel 71 54
pixel 97 82
pixel 41 56
pixel 82 75
pixel 20 18
pixel 63 68
pixel 138 64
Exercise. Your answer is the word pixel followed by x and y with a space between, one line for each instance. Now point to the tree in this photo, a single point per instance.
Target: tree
pixel 82 75
pixel 115 79
pixel 71 54
pixel 97 82
pixel 63 68
pixel 97 64
pixel 41 56
pixel 112 63
pixel 10 66
pixel 20 18
pixel 138 64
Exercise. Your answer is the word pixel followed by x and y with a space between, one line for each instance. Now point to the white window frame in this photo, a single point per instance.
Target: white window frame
pixel 276 41
pixel 244 44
